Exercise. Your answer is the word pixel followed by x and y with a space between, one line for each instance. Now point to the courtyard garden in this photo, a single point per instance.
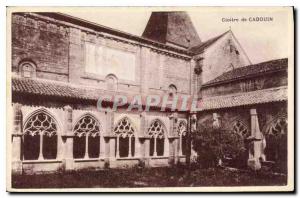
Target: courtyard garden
pixel 179 176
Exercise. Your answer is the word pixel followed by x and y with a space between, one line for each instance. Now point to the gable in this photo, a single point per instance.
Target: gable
pixel 222 56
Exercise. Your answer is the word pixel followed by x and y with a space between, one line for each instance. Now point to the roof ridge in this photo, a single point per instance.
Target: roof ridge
pixel 199 48
pixel 247 92
pixel 245 68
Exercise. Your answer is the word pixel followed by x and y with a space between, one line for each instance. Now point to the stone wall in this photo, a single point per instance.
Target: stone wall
pixel 45 44
pixel 266 113
pixel 59 51
pixel 247 84
pixel 224 55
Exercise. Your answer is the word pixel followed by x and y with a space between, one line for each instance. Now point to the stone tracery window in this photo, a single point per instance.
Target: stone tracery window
pixel 241 129
pixel 156 132
pixel 40 137
pixel 125 146
pixel 276 143
pixel 182 133
pixel 87 138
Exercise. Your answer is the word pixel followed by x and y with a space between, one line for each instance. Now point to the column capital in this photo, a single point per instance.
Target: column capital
pixel 68 108
pixel 253 112
pixel 173 115
pixel 143 114
pixel 17 106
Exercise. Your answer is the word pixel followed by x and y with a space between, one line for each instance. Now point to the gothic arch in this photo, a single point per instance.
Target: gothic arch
pixel 129 121
pixel 97 122
pixel 87 131
pixel 45 111
pixel 182 133
pixel 155 129
pixel 182 127
pixel 275 138
pixel 40 136
pixel 158 136
pixel 125 140
pixel 239 127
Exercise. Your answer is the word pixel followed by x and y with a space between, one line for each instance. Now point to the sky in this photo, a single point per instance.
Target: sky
pixel 262 41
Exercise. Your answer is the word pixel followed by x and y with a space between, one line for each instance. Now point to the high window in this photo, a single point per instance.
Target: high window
pixel 156 132
pixel 40 137
pixel 87 138
pixel 27 70
pixel 172 90
pixel 111 82
pixel 125 146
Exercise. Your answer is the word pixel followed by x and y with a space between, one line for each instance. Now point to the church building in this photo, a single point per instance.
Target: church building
pixel 61 65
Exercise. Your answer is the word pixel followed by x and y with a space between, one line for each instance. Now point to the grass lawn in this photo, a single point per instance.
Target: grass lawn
pixel 152 177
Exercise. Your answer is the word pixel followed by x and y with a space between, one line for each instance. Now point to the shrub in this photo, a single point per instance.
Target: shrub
pixel 213 145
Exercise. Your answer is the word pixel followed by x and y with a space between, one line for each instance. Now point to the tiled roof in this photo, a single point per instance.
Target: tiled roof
pixel 198 49
pixel 251 70
pixel 57 89
pixel 246 98
pixel 41 87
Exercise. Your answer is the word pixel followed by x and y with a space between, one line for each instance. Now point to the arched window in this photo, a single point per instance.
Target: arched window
pixel 27 70
pixel 111 82
pixel 182 132
pixel 40 137
pixel 156 132
pixel 87 138
pixel 240 129
pixel 125 146
pixel 172 90
pixel 276 143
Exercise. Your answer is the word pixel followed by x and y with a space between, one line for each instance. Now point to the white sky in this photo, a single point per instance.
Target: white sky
pixel 262 41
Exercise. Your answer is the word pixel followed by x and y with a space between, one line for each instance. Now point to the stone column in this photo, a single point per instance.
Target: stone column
pixel 68 135
pixel 173 137
pixel 110 157
pixel 139 144
pixel 102 146
pixel 146 154
pixel 145 141
pixel 255 145
pixel 112 152
pixel 16 139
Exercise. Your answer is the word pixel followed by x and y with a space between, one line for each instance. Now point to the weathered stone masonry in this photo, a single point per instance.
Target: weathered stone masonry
pixel 61 65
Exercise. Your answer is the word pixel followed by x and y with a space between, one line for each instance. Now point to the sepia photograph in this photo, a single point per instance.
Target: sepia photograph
pixel 150 99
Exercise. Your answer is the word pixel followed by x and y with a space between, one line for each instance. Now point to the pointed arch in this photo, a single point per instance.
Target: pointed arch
pixel 124 127
pixel 125 132
pixel 87 124
pixel 240 128
pixel 276 143
pixel 40 136
pixel 157 132
pixel 87 130
pixel 182 133
pixel 157 129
